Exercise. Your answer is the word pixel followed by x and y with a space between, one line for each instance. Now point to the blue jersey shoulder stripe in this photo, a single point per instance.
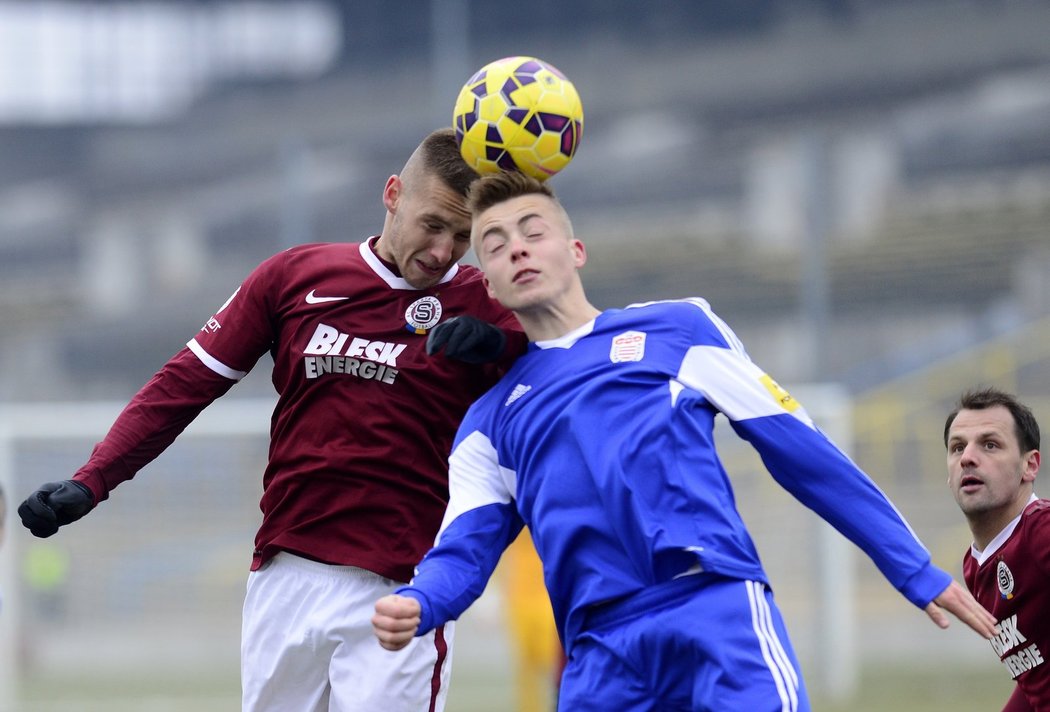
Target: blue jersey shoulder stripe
pixel 479 481
pixel 735 385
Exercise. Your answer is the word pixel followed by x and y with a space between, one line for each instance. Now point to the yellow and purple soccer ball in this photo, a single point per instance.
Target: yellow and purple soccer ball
pixel 518 113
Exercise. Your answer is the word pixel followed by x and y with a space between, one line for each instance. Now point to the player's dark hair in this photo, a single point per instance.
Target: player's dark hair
pixel 439 153
pixel 496 188
pixel 1025 426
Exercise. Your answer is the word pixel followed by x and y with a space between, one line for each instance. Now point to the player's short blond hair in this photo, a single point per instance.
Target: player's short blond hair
pixel 495 188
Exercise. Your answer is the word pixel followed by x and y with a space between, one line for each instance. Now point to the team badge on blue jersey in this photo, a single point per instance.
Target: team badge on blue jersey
pixel 1005 580
pixel 628 346
pixel 422 315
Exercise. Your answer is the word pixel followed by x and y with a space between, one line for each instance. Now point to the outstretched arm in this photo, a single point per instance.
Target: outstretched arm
pixel 813 469
pixel 396 620
pixel 957 600
pixel 161 410
pixel 480 522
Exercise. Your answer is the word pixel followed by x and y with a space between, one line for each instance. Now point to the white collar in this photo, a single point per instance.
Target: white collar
pixel 1000 538
pixel 566 341
pixel 395 281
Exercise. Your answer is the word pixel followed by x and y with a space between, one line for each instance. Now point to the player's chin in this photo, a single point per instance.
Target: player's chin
pixel 421 279
pixel 522 299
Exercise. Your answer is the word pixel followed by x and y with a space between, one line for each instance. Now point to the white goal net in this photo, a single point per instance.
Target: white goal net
pixel 153 579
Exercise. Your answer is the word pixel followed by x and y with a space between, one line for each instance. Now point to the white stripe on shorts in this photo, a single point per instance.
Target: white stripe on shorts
pixel 780 667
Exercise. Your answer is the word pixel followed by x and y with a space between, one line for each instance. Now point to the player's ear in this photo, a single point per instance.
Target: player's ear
pixel 392 193
pixel 579 253
pixel 1031 466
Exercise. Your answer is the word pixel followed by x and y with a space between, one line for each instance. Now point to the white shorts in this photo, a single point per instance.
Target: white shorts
pixel 307 645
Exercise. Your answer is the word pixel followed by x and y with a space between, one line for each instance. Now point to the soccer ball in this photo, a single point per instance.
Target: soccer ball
pixel 518 113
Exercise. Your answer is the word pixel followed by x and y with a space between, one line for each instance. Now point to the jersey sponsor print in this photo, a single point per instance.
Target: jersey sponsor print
pixel 1010 578
pixel 347 337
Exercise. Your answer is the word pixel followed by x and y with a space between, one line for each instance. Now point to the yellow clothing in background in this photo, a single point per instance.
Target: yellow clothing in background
pixel 537 649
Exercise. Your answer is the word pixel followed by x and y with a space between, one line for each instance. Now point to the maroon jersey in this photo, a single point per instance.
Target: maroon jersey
pixel 1011 579
pixel 357 472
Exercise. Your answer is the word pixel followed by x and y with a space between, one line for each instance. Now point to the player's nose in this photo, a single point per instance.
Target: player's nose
pixel 517 247
pixel 441 249
pixel 970 455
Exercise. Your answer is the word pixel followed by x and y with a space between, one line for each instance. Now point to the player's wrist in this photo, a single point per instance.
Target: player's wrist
pixel 925 585
pixel 91 479
pixel 426 616
pixel 85 490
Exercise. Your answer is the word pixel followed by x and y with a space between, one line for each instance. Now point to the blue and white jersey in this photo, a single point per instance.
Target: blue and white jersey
pixel 602 442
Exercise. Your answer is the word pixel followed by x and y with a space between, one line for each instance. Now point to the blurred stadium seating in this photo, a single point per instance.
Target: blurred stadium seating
pixel 932 152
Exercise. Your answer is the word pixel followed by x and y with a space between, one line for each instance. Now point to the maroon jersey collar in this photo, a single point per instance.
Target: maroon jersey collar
pixel 395 281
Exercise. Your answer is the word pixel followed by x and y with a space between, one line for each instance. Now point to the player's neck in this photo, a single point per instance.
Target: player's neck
pixel 373 245
pixel 985 526
pixel 554 321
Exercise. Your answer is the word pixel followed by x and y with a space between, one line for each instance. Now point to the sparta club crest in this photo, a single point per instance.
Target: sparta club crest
pixel 1005 579
pixel 422 315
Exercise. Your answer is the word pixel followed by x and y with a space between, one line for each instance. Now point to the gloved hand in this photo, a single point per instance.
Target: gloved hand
pixel 467 339
pixel 55 504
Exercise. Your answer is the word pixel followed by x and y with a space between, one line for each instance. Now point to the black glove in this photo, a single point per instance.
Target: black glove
pixel 467 339
pixel 54 505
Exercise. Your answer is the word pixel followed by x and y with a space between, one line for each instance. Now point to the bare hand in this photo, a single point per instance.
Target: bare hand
pixel 958 601
pixel 396 621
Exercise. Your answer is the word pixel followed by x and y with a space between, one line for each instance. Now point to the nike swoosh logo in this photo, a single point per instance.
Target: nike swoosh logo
pixel 311 299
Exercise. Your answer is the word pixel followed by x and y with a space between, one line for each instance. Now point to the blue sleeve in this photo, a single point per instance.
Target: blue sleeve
pixel 804 461
pixel 480 522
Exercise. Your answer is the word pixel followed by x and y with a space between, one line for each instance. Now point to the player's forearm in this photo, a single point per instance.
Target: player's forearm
pixel 151 421
pixel 823 478
pixel 455 572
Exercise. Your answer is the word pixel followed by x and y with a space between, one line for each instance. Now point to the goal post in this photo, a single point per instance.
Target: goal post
pixel 222 453
pixel 837 659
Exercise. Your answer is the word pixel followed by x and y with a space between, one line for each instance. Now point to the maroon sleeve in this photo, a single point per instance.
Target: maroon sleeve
pixel 156 415
pixel 1018 702
pixel 517 341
